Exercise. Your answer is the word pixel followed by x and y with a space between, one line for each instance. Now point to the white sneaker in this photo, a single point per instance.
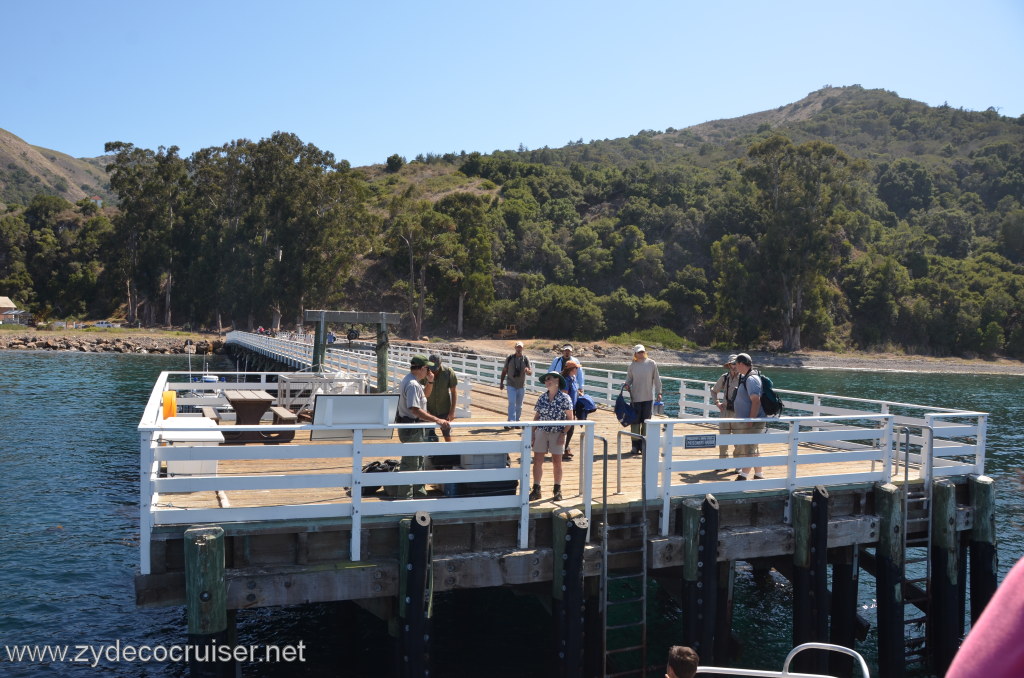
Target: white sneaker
pixel 758 476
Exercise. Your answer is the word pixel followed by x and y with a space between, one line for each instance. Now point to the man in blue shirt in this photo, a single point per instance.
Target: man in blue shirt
pixel 748 406
pixel 558 364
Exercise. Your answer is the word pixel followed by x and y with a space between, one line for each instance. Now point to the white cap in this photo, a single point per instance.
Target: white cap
pixel 519 344
pixel 639 348
pixel 567 347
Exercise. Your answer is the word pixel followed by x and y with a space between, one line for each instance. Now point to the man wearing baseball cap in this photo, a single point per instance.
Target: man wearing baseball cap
pixel 412 408
pixel 644 385
pixel 724 393
pixel 748 406
pixel 513 378
pixel 558 364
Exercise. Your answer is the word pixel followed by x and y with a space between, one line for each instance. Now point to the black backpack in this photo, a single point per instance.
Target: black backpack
pixel 771 403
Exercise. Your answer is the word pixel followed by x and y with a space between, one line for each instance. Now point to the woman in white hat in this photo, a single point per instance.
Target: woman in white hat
pixel 644 385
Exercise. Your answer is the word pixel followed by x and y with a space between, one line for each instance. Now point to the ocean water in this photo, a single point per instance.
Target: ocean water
pixel 69 534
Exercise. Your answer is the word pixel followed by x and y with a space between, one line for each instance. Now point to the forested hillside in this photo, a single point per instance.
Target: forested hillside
pixel 26 171
pixel 853 218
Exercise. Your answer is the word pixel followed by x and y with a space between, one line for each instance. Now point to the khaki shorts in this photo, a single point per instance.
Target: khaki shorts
pixel 547 442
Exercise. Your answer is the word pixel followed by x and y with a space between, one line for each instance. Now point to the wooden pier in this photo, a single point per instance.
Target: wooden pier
pixel 841 489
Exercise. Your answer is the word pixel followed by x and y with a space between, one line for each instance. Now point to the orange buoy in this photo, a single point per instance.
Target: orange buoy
pixel 170 404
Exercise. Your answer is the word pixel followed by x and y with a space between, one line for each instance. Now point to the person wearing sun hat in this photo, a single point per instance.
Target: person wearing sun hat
pixel 553 406
pixel 724 393
pixel 644 385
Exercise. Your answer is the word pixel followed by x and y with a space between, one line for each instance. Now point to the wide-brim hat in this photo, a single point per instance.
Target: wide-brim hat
pixel 561 379
pixel 730 361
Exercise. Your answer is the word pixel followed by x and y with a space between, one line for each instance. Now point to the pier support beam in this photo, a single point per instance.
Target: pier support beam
pixel 206 601
pixel 700 577
pixel 569 535
pixel 810 576
pixel 945 622
pixel 415 597
pixel 984 560
pixel 843 608
pixel 889 582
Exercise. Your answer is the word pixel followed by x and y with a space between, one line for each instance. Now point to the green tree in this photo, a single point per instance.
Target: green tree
pixel 800 189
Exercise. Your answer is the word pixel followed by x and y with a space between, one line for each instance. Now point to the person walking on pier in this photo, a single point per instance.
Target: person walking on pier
pixel 443 396
pixel 724 393
pixel 552 405
pixel 572 389
pixel 559 363
pixel 644 385
pixel 513 380
pixel 412 408
pixel 682 662
pixel 748 406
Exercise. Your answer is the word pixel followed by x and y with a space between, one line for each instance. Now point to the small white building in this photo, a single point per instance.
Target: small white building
pixel 10 315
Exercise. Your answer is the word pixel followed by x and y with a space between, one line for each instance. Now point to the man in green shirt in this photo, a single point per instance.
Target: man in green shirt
pixel 443 397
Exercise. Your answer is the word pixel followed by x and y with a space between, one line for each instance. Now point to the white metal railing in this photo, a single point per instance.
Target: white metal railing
pixel 957 448
pixel 159 494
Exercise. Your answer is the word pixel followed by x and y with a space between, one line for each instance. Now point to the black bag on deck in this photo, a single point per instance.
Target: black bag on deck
pixel 378 467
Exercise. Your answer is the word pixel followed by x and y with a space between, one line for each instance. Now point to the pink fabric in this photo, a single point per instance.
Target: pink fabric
pixel 995 646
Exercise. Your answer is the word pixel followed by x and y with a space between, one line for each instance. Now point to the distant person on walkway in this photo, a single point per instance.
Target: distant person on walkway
pixel 443 396
pixel 724 393
pixel 331 337
pixel 644 385
pixel 553 406
pixel 682 662
pixel 559 363
pixel 748 406
pixel 412 408
pixel 513 380
pixel 572 389
pixel 993 648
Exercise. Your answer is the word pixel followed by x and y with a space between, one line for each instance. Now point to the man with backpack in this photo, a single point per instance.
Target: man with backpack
pixel 748 406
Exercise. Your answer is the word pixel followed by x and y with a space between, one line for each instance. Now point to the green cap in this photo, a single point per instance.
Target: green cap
pixel 420 360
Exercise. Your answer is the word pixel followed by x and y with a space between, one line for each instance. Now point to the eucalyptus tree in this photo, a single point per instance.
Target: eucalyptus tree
pixel 469 264
pixel 310 223
pixel 801 243
pixel 421 238
pixel 151 187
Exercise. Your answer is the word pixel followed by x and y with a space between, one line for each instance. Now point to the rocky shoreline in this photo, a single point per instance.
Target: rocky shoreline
pixel 162 345
pixel 540 350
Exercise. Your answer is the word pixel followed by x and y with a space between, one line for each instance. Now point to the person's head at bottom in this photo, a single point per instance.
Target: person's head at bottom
pixel 682 662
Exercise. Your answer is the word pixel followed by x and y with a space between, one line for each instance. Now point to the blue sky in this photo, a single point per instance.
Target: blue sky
pixel 368 79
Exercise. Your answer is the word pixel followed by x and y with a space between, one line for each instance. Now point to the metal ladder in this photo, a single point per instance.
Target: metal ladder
pixel 917 517
pixel 624 605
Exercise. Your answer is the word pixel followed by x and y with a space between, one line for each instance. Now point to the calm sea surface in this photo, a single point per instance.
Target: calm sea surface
pixel 69 531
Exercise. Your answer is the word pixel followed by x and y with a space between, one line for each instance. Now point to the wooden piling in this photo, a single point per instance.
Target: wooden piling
pixel 810 575
pixel 843 608
pixel 723 612
pixel 569 534
pixel 983 557
pixel 943 623
pixel 206 602
pixel 700 576
pixel 415 597
pixel 889 581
